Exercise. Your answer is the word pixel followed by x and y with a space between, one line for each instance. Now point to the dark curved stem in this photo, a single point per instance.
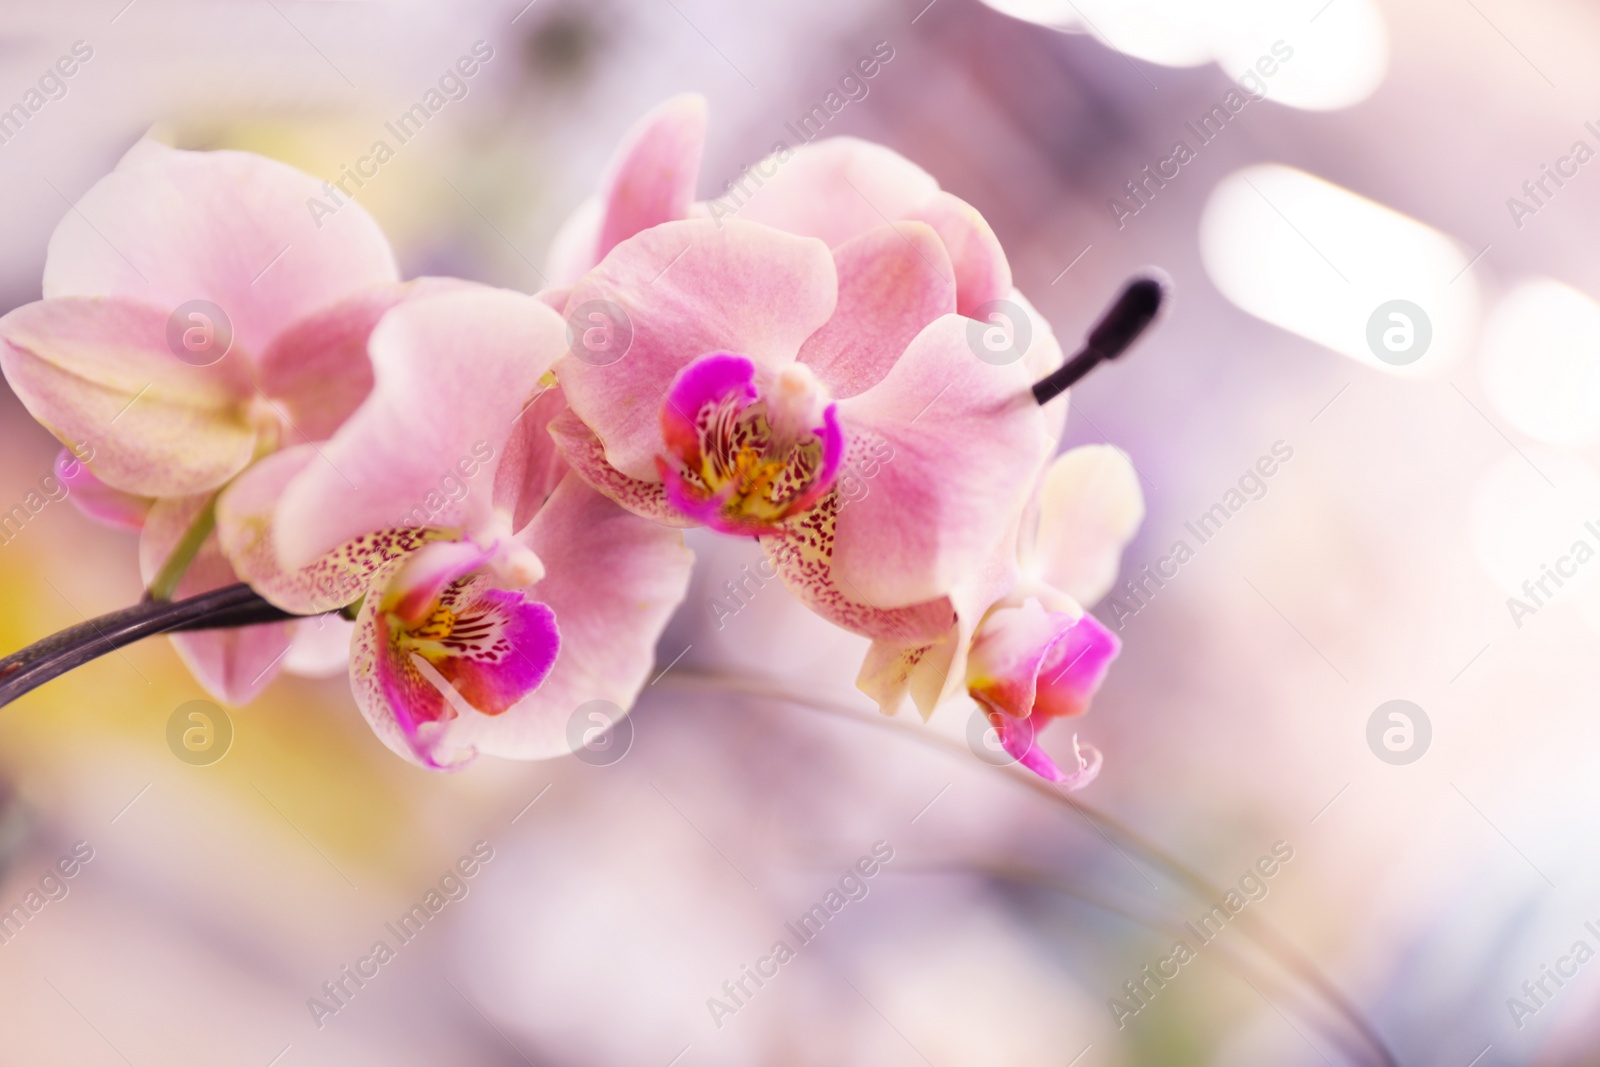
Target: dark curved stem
pixel 233 605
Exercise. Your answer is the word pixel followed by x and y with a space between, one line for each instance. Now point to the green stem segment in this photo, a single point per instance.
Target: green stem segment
pixel 183 553
pixel 233 605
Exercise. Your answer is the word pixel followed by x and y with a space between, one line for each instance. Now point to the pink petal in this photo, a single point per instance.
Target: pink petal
pixel 652 177
pixel 893 281
pixel 838 188
pixel 725 464
pixel 418 695
pixel 689 288
pixel 1090 506
pixel 531 465
pixel 317 371
pixel 99 372
pixel 612 581
pixel 1009 650
pixel 421 580
pixel 574 250
pixel 452 372
pixel 320 647
pixel 245 514
pixel 233 665
pixel 982 272
pixel 95 498
pixel 232 228
pixel 1019 737
pixel 932 673
pixel 965 442
pixel 584 453
pixel 1074 668
pixel 803 555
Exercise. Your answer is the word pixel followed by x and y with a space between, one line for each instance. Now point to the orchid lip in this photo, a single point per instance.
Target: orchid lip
pixel 743 456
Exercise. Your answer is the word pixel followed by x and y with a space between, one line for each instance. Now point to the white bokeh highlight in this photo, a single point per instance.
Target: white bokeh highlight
pixel 1541 362
pixel 1317 260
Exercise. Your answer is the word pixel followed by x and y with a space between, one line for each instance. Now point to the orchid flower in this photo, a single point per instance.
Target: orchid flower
pixel 1022 646
pixel 807 338
pixel 497 591
pixel 194 319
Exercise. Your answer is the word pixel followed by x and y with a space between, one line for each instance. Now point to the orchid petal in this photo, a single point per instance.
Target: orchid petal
pixel 531 465
pixel 245 532
pixel 233 665
pixel 168 227
pixel 803 556
pixel 96 499
pixel 1090 506
pixel 1008 652
pixel 1019 737
pixel 417 692
pixel 1071 673
pixel 979 264
pixel 965 442
pixel 98 372
pixel 317 371
pixel 612 581
pixel 838 188
pixel 689 288
pixel 320 647
pixel 452 374
pixel 585 454
pixel 651 179
pixel 893 281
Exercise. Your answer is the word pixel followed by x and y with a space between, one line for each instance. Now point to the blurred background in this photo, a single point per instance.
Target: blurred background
pixel 1398 150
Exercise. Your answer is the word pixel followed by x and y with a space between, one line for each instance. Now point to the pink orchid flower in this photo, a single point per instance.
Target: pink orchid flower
pixel 195 318
pixel 500 592
pixel 770 354
pixel 1022 646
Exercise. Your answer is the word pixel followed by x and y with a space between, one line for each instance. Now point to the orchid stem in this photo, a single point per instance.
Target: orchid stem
pixel 172 571
pixel 1265 936
pixel 233 605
